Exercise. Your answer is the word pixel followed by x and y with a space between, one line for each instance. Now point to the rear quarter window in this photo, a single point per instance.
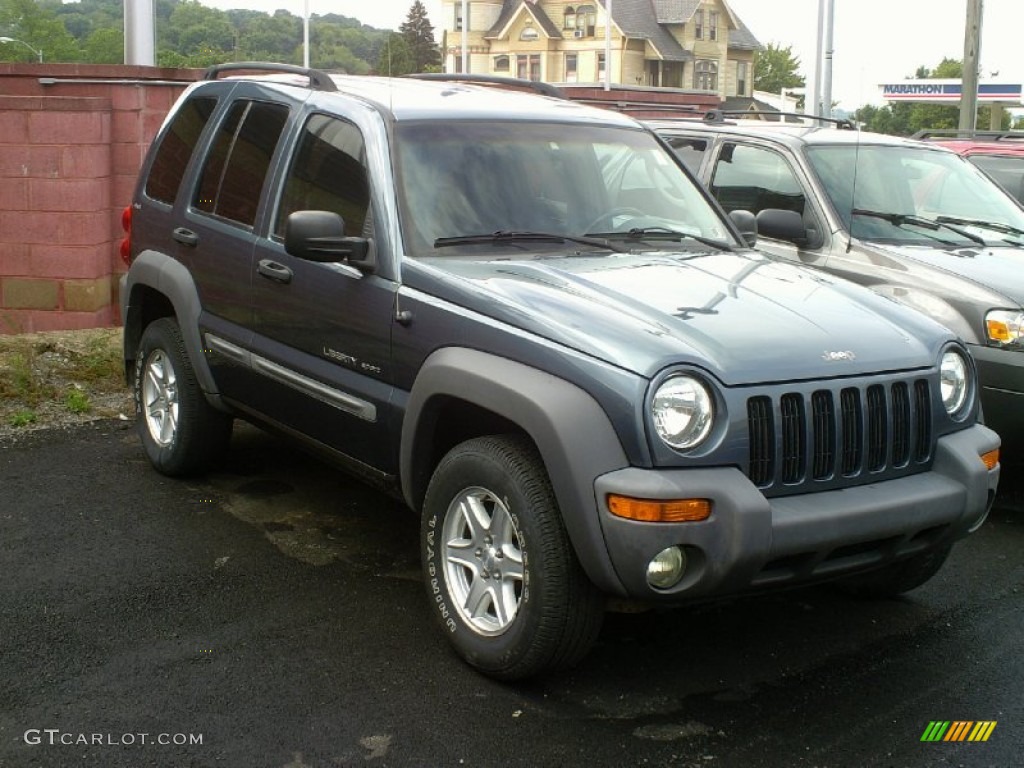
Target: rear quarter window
pixel 175 148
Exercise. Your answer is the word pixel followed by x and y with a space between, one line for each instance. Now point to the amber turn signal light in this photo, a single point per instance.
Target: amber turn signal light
pixel 659 510
pixel 990 459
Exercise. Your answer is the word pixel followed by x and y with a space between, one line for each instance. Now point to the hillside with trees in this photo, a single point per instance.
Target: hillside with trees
pixel 190 34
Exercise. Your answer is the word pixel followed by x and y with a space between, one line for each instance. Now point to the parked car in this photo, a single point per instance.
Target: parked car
pixel 1000 154
pixel 521 316
pixel 911 220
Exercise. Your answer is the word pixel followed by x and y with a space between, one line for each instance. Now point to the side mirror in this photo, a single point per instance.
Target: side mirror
pixel 780 224
pixel 747 225
pixel 320 236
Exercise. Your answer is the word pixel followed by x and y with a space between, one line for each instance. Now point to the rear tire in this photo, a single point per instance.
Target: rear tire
pixel 180 431
pixel 500 571
pixel 899 577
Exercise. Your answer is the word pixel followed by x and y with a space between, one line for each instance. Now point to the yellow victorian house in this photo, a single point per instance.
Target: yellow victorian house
pixel 691 45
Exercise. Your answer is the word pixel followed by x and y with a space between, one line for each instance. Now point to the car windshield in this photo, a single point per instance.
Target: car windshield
pixel 897 191
pixel 513 186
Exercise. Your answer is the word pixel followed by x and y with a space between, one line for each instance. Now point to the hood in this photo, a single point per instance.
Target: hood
pixel 997 269
pixel 743 317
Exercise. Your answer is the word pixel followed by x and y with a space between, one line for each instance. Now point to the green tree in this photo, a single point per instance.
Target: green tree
pixel 419 36
pixel 776 68
pixel 35 26
pixel 396 57
pixel 104 46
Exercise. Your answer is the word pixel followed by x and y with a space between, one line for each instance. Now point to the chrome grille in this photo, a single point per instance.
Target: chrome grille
pixel 841 436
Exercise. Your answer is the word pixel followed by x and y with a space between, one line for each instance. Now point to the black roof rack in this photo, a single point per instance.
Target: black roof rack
pixel 318 79
pixel 513 83
pixel 719 115
pixel 957 133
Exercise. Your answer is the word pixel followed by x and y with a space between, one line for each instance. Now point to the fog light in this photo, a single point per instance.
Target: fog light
pixel 666 569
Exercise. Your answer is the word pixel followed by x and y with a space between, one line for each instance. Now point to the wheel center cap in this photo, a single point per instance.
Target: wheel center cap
pixel 490 559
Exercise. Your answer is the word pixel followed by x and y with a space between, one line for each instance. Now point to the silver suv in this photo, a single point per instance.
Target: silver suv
pixel 911 220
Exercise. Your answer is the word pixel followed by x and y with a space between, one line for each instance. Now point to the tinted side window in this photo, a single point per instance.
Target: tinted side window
pixel 328 174
pixel 752 179
pixel 239 159
pixel 176 147
pixel 690 151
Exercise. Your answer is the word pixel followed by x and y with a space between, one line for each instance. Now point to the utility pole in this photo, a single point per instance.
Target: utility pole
pixel 465 37
pixel 826 77
pixel 972 57
pixel 608 45
pixel 139 33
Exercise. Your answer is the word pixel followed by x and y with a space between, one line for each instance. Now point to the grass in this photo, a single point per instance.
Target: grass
pixel 62 376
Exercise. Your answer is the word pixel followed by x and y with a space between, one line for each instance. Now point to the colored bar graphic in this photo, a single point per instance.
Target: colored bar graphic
pixel 958 730
pixel 935 731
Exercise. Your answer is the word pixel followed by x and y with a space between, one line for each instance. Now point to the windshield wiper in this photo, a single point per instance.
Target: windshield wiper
pixel 524 236
pixel 900 219
pixel 995 226
pixel 664 233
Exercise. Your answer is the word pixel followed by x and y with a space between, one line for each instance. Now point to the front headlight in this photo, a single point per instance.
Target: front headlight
pixel 683 412
pixel 1005 327
pixel 953 383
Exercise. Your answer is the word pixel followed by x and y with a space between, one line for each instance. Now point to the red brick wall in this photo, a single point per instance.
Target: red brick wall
pixel 72 138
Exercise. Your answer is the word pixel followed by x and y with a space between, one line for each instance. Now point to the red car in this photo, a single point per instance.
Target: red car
pixel 1000 154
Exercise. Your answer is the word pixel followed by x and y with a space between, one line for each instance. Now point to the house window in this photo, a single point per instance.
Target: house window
pixel 586 19
pixel 705 75
pixel 569 20
pixel 600 67
pixel 501 63
pixel 529 34
pixel 458 17
pixel 528 66
pixel 570 67
pixel 712 25
pixel 742 74
pixel 698 25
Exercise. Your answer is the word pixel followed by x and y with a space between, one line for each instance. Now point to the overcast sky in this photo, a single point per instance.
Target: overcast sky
pixel 875 41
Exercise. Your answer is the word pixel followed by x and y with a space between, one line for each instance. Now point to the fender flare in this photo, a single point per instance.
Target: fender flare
pixel 575 439
pixel 170 278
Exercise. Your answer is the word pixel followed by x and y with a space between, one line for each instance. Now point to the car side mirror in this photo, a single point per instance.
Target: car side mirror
pixel 780 224
pixel 747 225
pixel 320 236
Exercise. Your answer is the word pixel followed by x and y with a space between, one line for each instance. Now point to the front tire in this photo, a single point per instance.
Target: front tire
pixel 180 431
pixel 501 574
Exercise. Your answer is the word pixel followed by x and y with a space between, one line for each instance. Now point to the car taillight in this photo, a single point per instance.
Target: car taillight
pixel 126 242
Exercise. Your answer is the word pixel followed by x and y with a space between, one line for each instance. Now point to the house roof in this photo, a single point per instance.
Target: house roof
pixel 509 11
pixel 640 19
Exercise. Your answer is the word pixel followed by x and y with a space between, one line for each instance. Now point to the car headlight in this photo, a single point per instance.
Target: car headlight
pixel 953 382
pixel 1005 327
pixel 683 412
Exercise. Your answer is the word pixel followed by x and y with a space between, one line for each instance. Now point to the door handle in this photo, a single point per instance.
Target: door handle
pixel 277 272
pixel 185 237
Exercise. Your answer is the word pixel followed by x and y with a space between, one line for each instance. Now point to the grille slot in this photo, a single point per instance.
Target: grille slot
pixel 794 436
pixel 839 437
pixel 824 424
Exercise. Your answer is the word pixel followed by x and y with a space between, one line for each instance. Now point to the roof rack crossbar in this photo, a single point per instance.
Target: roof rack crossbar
pixel 545 89
pixel 969 133
pixel 719 115
pixel 318 79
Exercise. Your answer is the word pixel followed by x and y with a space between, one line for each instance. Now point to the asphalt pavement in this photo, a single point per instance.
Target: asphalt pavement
pixel 272 614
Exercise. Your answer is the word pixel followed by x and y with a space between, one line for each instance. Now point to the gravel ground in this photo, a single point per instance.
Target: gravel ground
pixel 60 379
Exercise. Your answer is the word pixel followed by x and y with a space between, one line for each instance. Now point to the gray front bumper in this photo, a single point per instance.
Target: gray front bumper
pixel 751 541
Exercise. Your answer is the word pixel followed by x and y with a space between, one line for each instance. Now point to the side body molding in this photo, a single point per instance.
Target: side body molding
pixel 170 278
pixel 570 429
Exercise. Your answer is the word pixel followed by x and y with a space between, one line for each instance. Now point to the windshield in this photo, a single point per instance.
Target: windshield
pixel 911 183
pixel 590 184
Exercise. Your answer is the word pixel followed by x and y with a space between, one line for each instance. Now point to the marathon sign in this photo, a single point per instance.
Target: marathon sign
pixel 949 91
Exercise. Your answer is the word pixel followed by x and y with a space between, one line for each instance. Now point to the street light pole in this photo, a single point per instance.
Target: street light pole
pixel 36 51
